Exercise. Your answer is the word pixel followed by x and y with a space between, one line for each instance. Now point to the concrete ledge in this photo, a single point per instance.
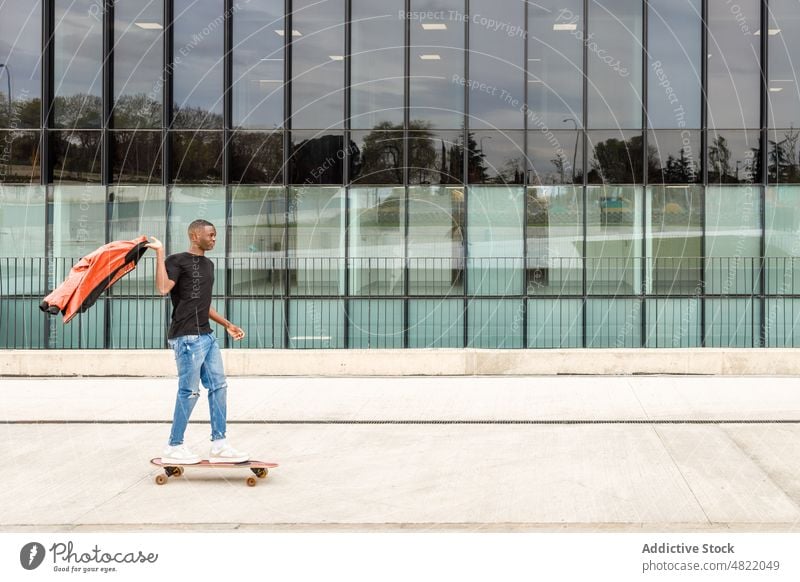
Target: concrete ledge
pixel 445 362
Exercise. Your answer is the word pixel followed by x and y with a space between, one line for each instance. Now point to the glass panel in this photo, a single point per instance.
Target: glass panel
pixel 496 157
pixel 189 203
pixel 376 64
pixel 316 323
pixel 317 158
pixel 316 241
pixel 494 323
pixel 375 239
pixel 617 157
pixel 138 323
pixel 495 240
pixel 256 157
pixel 733 323
pixel 85 331
pixel 22 229
pixel 674 47
pixel 555 241
pixel 613 323
pixel 435 157
pixel 197 55
pixel 76 156
pixel 261 319
pixel 20 55
pixel 784 46
pixel 555 323
pixel 79 222
pixel 435 323
pixel 782 239
pixel 496 64
pixel 734 72
pixel 674 157
pixel 556 157
pixel 78 73
pixel 674 239
pixel 614 240
pixel 257 241
pixel 196 157
pixel 555 63
pixel 137 156
pixel 21 324
pixel 137 210
pixel 673 323
pixel 258 37
pixel 437 64
pixel 19 156
pixel 436 240
pixel 733 239
pixel 783 323
pixel 138 63
pixel 783 158
pixel 376 157
pixel 317 64
pixel 734 157
pixel 614 47
pixel 375 324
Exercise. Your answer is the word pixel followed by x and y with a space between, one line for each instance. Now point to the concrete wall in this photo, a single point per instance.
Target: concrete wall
pixel 445 362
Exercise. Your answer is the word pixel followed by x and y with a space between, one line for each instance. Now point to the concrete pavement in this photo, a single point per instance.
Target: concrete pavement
pixel 642 453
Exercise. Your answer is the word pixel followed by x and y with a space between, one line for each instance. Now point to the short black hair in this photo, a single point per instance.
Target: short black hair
pixel 197 224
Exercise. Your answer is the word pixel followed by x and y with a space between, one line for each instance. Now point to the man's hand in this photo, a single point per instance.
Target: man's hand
pixel 156 244
pixel 235 332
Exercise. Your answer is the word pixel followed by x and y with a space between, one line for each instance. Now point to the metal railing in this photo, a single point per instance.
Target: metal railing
pixel 396 302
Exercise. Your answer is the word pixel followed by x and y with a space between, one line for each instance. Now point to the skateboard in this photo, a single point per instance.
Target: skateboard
pixel 259 468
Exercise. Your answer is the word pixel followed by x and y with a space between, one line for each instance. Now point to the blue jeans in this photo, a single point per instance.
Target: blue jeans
pixel 198 359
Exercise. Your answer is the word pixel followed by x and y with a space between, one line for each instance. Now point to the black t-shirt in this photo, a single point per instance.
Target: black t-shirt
pixel 191 295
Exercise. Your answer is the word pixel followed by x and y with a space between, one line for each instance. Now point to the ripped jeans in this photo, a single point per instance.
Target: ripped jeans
pixel 198 359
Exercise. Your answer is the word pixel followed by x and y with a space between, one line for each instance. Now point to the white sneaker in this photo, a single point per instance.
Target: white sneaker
pixel 180 455
pixel 226 454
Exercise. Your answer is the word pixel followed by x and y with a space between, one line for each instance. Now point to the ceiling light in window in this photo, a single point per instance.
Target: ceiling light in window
pixel 149 25
pixel 430 57
pixel 433 26
pixel 565 26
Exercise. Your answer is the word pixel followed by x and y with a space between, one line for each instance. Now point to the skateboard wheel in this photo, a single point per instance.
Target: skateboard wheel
pixel 251 481
pixel 161 479
pixel 260 472
pixel 178 472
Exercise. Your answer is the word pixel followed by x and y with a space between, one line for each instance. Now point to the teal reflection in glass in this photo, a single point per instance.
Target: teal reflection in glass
pixel 138 323
pixel 188 203
pixel 138 210
pixel 85 331
pixel 21 322
pixel 614 240
pixel 316 323
pixel 733 239
pixel 22 229
pixel 783 322
pixel 376 239
pixel 613 323
pixel 554 232
pixel 375 323
pixel 673 323
pixel 782 248
pixel 495 240
pixel 555 323
pixel 257 246
pixel 733 323
pixel 436 240
pixel 674 239
pixel 435 323
pixel 261 319
pixel 495 323
pixel 316 241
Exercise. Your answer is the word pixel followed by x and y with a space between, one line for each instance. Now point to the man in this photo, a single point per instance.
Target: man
pixel 189 278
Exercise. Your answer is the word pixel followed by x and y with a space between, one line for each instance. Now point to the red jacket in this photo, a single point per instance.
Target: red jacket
pixel 92 275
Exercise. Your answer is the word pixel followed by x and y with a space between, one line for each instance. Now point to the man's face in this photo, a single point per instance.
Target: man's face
pixel 205 237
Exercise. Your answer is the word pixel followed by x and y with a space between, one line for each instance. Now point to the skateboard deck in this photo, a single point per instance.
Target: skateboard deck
pixel 259 468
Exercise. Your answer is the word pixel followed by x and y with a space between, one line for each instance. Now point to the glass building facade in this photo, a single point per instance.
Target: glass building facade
pixel 410 173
